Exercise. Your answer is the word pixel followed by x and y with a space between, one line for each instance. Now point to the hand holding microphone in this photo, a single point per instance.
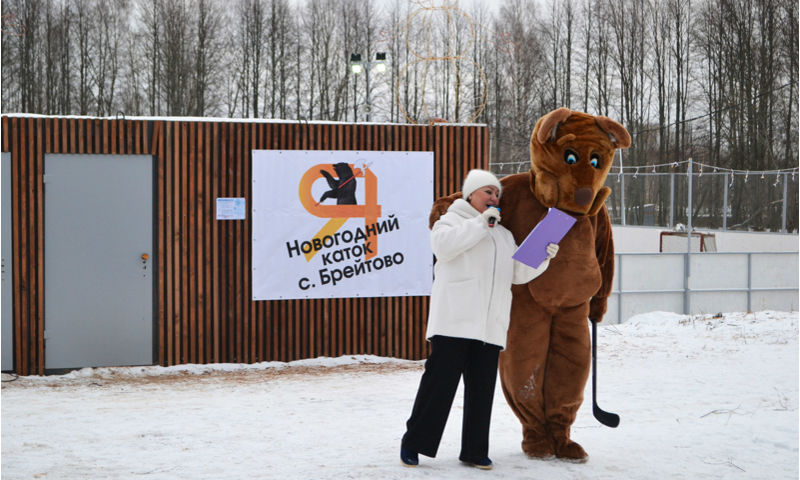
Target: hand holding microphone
pixel 492 216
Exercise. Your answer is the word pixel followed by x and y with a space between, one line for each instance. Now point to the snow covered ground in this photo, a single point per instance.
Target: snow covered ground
pixel 699 397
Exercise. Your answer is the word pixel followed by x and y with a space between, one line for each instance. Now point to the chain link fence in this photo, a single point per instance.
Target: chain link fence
pixel 740 201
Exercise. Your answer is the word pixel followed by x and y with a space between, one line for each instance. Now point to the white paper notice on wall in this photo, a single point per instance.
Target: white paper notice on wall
pixel 230 208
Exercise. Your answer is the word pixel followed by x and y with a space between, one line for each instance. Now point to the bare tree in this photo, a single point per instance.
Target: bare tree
pixel 278 37
pixel 249 34
pixel 660 37
pixel 678 12
pixel 150 33
pixel 207 51
pixel 598 57
pixel 176 54
pixel 57 72
pixel 559 33
pixel 522 78
pixel 789 56
pixel 327 58
pixel 13 31
pixel 29 14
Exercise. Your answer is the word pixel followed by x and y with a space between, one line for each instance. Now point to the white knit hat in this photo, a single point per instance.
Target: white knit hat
pixel 477 179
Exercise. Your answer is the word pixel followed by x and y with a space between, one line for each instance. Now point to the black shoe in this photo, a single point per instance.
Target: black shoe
pixel 485 464
pixel 409 458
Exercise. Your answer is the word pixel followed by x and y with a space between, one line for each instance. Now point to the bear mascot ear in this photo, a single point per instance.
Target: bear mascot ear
pixel 620 137
pixel 440 207
pixel 543 183
pixel 617 133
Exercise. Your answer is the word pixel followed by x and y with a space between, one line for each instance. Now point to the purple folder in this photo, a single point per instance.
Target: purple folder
pixel 551 229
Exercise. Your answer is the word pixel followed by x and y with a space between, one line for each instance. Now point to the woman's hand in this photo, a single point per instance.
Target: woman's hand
pixel 552 250
pixel 490 213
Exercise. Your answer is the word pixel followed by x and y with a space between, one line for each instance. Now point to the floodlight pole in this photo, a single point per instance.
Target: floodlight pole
pixel 622 187
pixel 357 65
pixel 686 296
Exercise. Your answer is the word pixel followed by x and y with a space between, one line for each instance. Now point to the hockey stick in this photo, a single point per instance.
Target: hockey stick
pixel 606 418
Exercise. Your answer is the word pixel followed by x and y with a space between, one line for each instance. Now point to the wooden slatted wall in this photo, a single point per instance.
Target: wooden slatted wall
pixel 204 313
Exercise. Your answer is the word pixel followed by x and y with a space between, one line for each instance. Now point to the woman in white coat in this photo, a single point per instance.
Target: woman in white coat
pixel 467 322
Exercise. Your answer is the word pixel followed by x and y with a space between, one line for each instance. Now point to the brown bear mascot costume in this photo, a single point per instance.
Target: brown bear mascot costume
pixel 547 360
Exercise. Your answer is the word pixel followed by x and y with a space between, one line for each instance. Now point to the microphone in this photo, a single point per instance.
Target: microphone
pixel 492 220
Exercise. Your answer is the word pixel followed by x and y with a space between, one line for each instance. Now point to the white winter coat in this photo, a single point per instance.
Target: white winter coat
pixel 471 294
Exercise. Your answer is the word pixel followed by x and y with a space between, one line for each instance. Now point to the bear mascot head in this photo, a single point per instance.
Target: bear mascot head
pixel 571 155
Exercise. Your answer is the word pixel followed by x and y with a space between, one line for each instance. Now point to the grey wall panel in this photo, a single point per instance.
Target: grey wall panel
pixel 720 270
pixel 98 286
pixel 719 282
pixel 770 270
pixel 7 333
pixel 636 272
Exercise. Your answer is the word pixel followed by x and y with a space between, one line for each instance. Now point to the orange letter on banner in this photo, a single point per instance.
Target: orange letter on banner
pixel 339 214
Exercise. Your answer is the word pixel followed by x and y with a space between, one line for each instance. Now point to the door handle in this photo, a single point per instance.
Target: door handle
pixel 145 257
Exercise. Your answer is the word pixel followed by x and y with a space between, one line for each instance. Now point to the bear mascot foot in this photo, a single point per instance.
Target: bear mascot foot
pixel 570 451
pixel 539 448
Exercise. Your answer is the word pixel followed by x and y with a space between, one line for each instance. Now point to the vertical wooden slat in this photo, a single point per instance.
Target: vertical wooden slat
pixel 241 320
pixel 310 330
pixel 103 146
pixel 199 245
pixel 226 288
pixel 341 322
pixel 347 316
pixel 39 285
pixel 30 242
pixel 25 244
pixel 402 334
pixel 182 227
pixel 326 327
pixel 211 248
pixel 190 238
pixel 233 229
pixel 112 126
pixel 232 317
pixel 6 147
pixel 128 133
pixel 170 244
pixel 318 325
pixel 155 148
pixel 298 318
pixel 397 340
pixel 79 145
pixel 388 315
pixel 257 348
pixel 48 140
pixel 205 218
pixel 89 136
pixel 248 304
pixel 70 125
pixel 216 172
pixel 291 320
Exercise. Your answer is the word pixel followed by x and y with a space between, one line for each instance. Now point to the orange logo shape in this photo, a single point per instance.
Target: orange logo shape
pixel 339 214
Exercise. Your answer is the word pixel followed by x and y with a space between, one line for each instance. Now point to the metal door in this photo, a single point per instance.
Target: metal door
pixel 98 260
pixel 7 333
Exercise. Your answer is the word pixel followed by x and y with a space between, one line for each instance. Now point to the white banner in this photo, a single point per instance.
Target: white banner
pixel 336 223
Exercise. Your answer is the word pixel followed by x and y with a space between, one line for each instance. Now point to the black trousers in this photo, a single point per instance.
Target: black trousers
pixel 451 358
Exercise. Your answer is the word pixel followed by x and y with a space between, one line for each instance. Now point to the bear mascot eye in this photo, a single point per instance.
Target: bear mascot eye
pixel 595 161
pixel 570 157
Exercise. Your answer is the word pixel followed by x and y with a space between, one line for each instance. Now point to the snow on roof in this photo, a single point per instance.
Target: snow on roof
pixel 230 120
